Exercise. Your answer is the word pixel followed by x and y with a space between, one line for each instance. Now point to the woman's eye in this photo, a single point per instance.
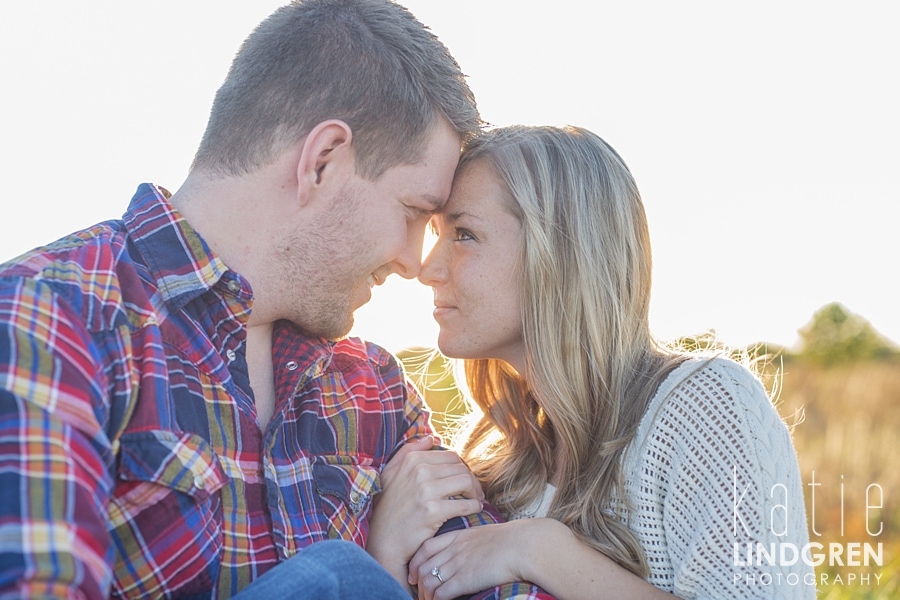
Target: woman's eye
pixel 462 235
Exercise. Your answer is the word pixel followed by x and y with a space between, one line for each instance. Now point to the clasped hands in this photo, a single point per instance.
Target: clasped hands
pixel 423 487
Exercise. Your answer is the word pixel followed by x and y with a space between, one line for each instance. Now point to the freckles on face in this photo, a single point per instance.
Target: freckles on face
pixel 473 270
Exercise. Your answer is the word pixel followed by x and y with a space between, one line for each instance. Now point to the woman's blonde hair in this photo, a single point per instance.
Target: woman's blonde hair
pixel 591 361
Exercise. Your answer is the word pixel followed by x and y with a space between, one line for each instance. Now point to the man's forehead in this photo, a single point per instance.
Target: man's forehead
pixel 436 202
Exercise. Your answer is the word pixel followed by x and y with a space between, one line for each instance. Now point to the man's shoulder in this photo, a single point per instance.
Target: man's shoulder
pixel 85 249
pixel 83 269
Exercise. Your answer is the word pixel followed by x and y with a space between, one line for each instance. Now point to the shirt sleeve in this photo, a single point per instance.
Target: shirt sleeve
pixel 54 476
pixel 417 415
pixel 733 481
pixel 416 419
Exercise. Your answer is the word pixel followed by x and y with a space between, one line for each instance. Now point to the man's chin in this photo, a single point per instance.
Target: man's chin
pixel 336 338
pixel 332 332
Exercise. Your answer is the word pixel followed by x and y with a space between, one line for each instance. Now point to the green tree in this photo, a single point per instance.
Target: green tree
pixel 837 335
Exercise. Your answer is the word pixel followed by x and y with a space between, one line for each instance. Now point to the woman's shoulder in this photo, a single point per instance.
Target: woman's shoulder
pixel 711 448
pixel 709 403
pixel 714 383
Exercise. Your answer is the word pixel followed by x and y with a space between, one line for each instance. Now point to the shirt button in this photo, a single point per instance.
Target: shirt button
pixel 292 365
pixel 357 502
pixel 199 483
pixel 234 286
pixel 230 354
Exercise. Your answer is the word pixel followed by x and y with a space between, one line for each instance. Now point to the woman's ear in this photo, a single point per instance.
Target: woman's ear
pixel 326 157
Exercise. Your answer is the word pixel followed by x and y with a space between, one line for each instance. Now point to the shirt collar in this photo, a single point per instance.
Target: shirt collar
pixel 297 357
pixel 177 257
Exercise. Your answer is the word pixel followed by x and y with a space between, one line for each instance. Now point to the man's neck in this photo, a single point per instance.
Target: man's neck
pixel 262 374
pixel 240 218
pixel 218 210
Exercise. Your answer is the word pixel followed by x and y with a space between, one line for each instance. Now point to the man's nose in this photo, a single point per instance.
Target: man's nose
pixel 408 263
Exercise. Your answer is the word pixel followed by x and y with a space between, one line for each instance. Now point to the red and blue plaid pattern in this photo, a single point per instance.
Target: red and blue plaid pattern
pixel 132 464
pixel 131 461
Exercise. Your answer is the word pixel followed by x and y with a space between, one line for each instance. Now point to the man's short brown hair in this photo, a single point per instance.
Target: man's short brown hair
pixel 369 63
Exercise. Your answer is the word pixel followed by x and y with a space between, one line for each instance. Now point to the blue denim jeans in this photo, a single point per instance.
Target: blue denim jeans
pixel 330 570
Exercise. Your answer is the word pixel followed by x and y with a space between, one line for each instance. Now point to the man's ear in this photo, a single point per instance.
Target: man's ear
pixel 326 154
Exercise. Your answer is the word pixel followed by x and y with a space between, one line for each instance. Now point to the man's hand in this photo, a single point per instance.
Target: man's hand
pixel 422 488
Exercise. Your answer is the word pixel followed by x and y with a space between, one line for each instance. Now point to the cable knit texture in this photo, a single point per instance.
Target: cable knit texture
pixel 712 466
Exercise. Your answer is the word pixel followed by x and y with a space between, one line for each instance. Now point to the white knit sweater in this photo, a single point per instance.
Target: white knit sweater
pixel 712 466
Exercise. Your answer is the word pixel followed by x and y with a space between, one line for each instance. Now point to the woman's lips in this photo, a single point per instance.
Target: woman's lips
pixel 442 311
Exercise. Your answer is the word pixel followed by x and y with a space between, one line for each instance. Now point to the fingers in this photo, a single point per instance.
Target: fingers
pixel 416 445
pixel 404 455
pixel 419 451
pixel 416 467
pixel 437 576
pixel 480 490
pixel 437 512
pixel 447 481
pixel 426 554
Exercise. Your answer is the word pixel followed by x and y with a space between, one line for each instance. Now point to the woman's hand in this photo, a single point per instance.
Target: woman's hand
pixel 541 551
pixel 422 488
pixel 471 560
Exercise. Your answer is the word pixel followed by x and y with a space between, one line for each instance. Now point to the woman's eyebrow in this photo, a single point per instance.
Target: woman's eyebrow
pixel 456 216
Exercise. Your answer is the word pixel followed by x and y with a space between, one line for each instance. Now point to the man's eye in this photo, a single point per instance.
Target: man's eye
pixel 416 213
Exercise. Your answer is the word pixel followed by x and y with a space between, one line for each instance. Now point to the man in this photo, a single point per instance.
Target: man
pixel 178 412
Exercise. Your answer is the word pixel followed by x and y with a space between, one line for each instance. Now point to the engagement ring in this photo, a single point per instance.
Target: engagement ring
pixel 437 573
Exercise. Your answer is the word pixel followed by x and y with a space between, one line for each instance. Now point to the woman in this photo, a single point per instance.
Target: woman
pixel 625 469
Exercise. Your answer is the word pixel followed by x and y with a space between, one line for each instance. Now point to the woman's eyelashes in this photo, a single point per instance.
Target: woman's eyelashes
pixel 463 235
pixel 455 233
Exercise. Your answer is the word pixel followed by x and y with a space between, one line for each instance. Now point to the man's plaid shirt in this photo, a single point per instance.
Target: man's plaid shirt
pixel 130 453
pixel 131 460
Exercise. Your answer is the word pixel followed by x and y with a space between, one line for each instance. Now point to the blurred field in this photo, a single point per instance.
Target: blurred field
pixel 845 421
pixel 848 437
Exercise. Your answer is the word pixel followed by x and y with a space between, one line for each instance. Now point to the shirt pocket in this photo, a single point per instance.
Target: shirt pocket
pixel 345 489
pixel 165 515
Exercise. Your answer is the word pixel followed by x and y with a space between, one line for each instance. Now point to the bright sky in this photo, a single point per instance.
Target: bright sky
pixel 764 135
